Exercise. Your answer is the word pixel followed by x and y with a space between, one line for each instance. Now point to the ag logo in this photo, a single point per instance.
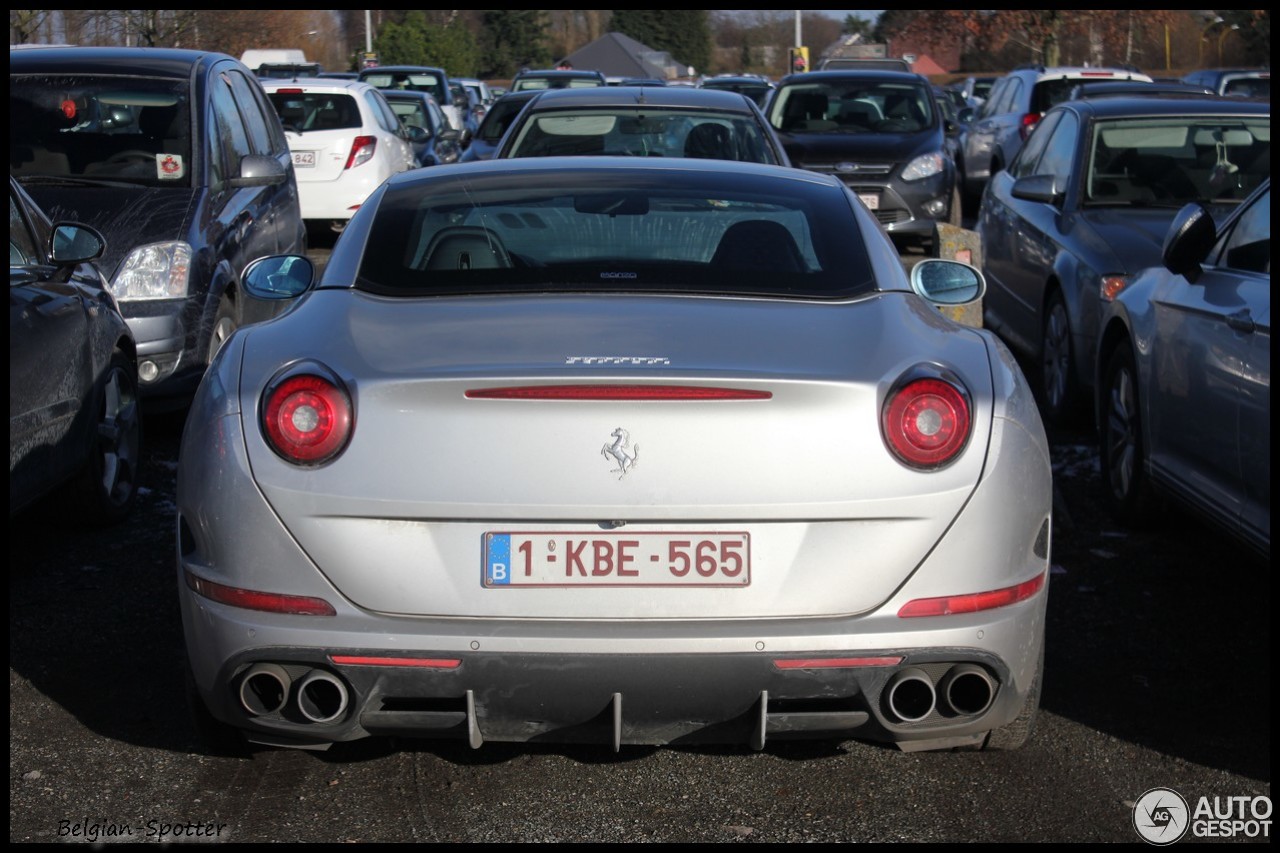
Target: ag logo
pixel 1161 816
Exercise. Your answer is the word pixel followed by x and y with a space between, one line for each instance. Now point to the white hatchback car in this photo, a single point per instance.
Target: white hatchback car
pixel 345 139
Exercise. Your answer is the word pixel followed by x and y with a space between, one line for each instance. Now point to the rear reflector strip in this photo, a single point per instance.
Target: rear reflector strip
pixel 616 392
pixel 952 605
pixel 426 663
pixel 835 663
pixel 271 602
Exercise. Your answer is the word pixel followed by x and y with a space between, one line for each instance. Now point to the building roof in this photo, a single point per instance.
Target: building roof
pixel 616 55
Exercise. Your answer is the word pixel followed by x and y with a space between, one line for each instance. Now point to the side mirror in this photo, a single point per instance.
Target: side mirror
pixel 945 282
pixel 278 277
pixel 416 135
pixel 1037 188
pixel 966 115
pixel 259 170
pixel 74 243
pixel 1187 242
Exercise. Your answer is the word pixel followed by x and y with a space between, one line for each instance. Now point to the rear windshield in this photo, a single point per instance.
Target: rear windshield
pixel 301 112
pixel 133 129
pixel 525 84
pixel 852 106
pixel 652 231
pixel 642 132
pixel 417 81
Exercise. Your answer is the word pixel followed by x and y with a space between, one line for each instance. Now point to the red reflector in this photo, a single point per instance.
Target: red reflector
pixel 952 605
pixel 835 663
pixel 271 602
pixel 616 392
pixel 427 663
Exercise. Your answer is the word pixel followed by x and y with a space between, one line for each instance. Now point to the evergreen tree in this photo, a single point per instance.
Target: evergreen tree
pixel 684 33
pixel 419 42
pixel 512 39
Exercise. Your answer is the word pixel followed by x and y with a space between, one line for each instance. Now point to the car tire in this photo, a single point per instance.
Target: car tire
pixel 105 490
pixel 1059 389
pixel 1122 448
pixel 224 325
pixel 1016 733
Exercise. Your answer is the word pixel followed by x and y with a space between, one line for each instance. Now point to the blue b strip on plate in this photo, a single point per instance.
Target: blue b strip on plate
pixel 497 568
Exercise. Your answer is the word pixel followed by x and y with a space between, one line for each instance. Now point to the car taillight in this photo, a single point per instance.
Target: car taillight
pixel 953 605
pixel 926 422
pixel 307 418
pixel 361 151
pixel 1028 124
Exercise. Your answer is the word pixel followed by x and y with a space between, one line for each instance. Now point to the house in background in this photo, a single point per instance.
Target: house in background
pixel 616 55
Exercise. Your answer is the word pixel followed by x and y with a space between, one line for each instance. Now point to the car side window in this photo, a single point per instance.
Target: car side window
pixel 378 106
pixel 1248 245
pixel 1060 151
pixel 232 136
pixel 996 94
pixel 22 244
pixel 1012 96
pixel 251 111
pixel 1025 162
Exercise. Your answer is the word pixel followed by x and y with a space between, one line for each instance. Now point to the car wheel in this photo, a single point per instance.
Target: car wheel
pixel 1057 379
pixel 1015 734
pixel 1122 451
pixel 107 487
pixel 224 325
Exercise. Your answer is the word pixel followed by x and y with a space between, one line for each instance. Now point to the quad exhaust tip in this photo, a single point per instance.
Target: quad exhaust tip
pixel 322 698
pixel 264 689
pixel 967 689
pixel 910 695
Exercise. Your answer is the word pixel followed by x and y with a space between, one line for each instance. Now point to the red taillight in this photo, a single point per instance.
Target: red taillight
pixel 250 599
pixel 361 151
pixel 926 423
pixel 288 91
pixel 1028 124
pixel 616 392
pixel 423 663
pixel 951 605
pixel 307 419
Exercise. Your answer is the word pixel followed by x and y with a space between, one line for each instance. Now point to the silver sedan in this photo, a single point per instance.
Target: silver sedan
pixel 619 451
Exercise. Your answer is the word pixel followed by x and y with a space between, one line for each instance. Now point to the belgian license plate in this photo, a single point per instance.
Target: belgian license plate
pixel 616 558
pixel 304 158
pixel 871 200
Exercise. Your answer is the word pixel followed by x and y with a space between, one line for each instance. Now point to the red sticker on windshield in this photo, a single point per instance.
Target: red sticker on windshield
pixel 69 108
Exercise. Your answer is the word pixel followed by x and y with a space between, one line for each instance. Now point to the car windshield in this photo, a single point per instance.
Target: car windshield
pixel 498 119
pixel 302 112
pixel 416 81
pixel 1173 160
pixel 852 106
pixel 758 92
pixel 596 230
pixel 1248 87
pixel 524 84
pixel 642 132
pixel 117 128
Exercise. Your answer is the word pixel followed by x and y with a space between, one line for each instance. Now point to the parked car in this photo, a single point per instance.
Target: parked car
pixel 1184 381
pixel 496 121
pixel 288 70
pixel 1241 82
pixel 442 144
pixel 421 78
pixel 616 451
pixel 557 79
pixel 471 110
pixel 346 140
pixel 755 88
pixel 1086 205
pixel 1013 107
pixel 177 158
pixel 634 121
pixel 882 134
pixel 74 416
pixel 976 89
pixel 480 88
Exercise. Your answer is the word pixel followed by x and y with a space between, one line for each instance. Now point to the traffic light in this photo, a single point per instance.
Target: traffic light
pixel 799 59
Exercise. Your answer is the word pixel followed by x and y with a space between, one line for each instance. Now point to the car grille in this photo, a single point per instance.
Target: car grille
pixel 863 171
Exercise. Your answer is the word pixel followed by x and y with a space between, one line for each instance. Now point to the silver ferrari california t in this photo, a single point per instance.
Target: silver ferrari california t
pixel 615 450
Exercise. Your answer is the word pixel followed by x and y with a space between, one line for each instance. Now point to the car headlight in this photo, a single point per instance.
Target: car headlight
pixel 154 271
pixel 922 167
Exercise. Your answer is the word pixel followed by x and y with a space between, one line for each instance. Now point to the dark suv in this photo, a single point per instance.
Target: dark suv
pixel 177 158
pixel 880 132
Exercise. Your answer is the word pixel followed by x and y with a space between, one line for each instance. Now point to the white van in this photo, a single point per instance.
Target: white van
pixel 273 56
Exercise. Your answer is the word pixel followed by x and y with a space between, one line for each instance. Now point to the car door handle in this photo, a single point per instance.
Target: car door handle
pixel 1242 321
